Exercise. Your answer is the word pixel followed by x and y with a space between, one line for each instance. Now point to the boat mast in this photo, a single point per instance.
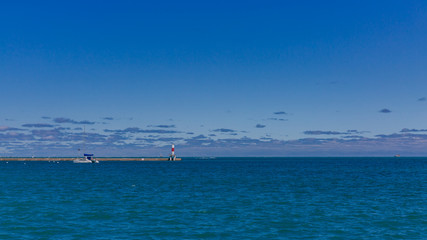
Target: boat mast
pixel 84 139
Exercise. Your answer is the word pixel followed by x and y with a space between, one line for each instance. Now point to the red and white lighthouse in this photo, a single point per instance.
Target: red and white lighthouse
pixel 173 150
pixel 172 157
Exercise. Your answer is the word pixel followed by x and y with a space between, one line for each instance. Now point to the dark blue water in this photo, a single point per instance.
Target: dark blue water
pixel 227 198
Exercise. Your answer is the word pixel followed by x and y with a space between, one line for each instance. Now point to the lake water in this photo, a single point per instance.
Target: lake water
pixel 223 198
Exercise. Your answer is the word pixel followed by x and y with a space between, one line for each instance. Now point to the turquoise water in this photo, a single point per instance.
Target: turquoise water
pixel 225 198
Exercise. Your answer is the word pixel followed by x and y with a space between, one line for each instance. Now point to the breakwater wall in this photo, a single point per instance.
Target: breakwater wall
pixel 72 158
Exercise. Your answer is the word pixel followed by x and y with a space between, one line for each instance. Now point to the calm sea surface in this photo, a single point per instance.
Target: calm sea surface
pixel 223 198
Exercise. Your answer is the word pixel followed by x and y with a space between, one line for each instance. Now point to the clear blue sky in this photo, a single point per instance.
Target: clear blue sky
pixel 219 78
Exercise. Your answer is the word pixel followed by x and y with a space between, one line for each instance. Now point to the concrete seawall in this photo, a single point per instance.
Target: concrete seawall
pixel 72 158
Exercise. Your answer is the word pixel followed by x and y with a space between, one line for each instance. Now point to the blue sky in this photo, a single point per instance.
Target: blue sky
pixel 220 78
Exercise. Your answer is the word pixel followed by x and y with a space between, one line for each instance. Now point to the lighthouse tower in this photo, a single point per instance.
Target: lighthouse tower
pixel 172 157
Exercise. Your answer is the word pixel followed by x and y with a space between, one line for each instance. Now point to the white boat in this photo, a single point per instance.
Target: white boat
pixel 87 158
pixel 81 160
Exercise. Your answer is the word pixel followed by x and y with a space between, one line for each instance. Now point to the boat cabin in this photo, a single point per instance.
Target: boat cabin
pixel 88 156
